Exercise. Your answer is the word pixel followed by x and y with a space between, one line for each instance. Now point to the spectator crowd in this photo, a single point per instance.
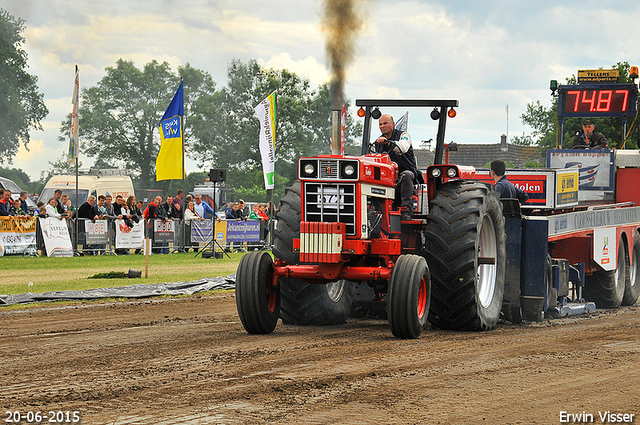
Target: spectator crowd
pixel 179 208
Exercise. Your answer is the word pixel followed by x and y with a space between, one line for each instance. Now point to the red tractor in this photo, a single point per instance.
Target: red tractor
pixel 339 230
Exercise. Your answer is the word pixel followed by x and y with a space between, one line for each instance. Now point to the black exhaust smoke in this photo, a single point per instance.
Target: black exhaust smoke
pixel 340 24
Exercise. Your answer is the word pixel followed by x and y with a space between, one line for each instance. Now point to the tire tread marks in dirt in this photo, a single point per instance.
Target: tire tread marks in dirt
pixel 454 223
pixel 303 303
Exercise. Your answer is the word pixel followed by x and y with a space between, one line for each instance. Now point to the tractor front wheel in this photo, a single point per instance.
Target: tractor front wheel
pixel 409 296
pixel 257 294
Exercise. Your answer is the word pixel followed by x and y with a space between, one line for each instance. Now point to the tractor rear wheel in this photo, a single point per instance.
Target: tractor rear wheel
pixel 632 286
pixel 409 296
pixel 304 303
pixel 466 256
pixel 606 288
pixel 257 295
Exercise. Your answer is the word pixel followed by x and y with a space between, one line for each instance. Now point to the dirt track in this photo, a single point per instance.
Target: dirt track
pixel 189 361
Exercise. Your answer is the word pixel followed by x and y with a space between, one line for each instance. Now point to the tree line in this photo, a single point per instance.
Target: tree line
pixel 119 118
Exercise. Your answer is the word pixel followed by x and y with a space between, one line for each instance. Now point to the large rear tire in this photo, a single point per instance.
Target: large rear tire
pixel 606 288
pixel 409 296
pixel 303 303
pixel 632 286
pixel 466 256
pixel 257 295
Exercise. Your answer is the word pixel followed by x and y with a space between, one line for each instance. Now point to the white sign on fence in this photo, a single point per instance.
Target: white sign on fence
pixel 56 237
pixel 127 237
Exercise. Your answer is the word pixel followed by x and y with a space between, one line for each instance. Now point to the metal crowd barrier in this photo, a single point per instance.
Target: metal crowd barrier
pixel 100 240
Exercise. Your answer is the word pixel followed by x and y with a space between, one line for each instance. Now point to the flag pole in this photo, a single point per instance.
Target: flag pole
pixel 271 213
pixel 182 119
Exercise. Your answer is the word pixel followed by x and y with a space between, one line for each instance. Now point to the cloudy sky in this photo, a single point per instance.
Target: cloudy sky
pixel 487 54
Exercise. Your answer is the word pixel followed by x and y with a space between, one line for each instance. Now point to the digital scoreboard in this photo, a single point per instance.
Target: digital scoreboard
pixel 597 100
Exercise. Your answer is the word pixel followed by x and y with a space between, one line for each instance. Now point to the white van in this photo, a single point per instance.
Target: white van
pixel 92 182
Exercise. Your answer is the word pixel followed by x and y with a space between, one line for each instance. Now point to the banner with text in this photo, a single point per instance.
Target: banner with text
pixel 163 231
pixel 96 232
pixel 17 236
pixel 243 231
pixel 129 237
pixel 55 234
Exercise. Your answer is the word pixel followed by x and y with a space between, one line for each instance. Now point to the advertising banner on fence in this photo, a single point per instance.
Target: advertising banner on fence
pixel 201 231
pixel 243 231
pixel 127 237
pixel 17 236
pixel 163 231
pixel 96 232
pixel 55 234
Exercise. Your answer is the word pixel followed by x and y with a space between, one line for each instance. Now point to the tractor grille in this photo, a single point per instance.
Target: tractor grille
pixel 331 203
pixel 328 169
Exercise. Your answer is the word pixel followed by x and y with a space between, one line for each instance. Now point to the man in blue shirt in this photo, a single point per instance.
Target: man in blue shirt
pixel 202 208
pixel 505 188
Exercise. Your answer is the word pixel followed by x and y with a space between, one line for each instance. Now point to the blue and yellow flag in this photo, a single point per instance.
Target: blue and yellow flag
pixel 170 160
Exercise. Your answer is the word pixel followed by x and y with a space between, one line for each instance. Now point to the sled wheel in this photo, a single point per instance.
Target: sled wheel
pixel 632 285
pixel 304 303
pixel 606 288
pixel 409 296
pixel 257 294
pixel 466 256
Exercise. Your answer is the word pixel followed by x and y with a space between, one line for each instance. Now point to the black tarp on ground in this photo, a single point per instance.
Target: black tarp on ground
pixel 132 291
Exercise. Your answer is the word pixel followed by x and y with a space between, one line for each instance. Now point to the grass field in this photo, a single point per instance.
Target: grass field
pixel 44 274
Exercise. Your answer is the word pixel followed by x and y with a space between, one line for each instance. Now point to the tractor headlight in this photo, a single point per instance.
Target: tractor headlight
pixel 436 172
pixel 309 169
pixel 349 170
pixel 452 172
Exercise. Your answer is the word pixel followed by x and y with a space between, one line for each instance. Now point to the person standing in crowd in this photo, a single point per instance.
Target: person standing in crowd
pixel 170 208
pixel 190 215
pixel 99 212
pixel 178 207
pixel 121 211
pixel 202 208
pixel 4 211
pixel 40 211
pixel 5 203
pixel 177 203
pixel 23 201
pixel 234 213
pixel 151 214
pixel 84 215
pixel 135 209
pixel 52 210
pixel 170 213
pixel 505 188
pixel 57 194
pixel 244 209
pixel 16 209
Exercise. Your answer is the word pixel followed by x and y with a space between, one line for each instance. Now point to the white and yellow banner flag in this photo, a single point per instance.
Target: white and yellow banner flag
pixel 266 112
